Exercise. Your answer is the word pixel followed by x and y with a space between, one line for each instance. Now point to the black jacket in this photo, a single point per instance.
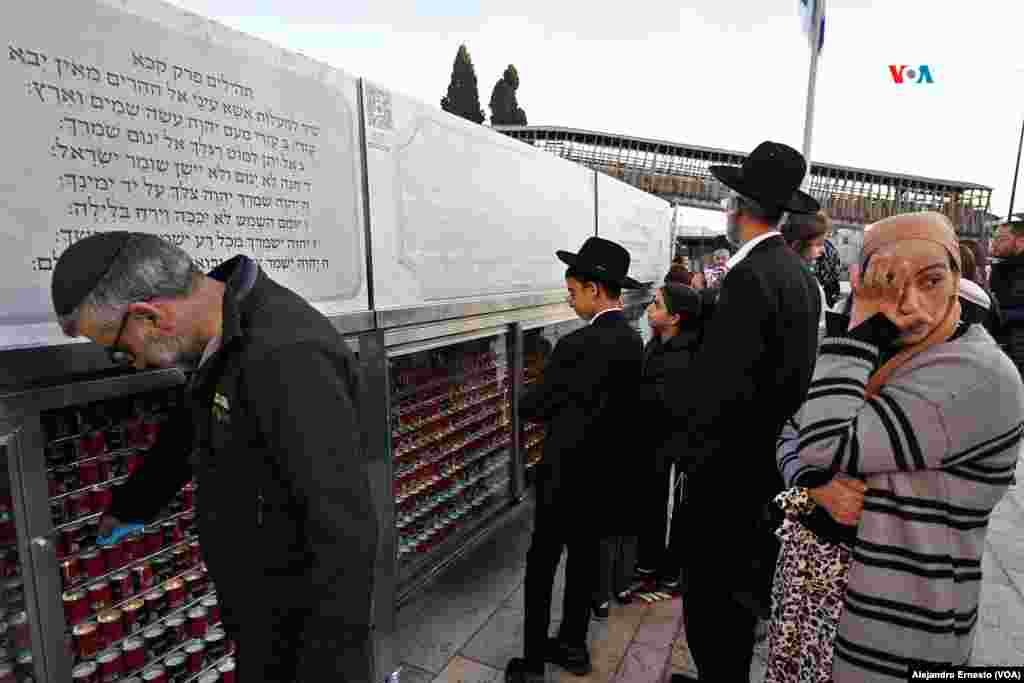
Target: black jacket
pixel 750 375
pixel 672 358
pixel 991 318
pixel 1007 281
pixel 587 399
pixel 288 527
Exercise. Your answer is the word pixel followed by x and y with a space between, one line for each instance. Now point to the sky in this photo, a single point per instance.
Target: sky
pixel 718 73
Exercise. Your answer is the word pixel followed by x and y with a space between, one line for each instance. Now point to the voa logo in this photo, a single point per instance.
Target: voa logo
pixel 901 73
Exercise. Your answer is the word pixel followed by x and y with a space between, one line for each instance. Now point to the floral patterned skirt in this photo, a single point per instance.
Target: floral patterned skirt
pixel 807 598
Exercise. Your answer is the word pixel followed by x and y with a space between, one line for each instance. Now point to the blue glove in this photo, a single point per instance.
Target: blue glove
pixel 118 533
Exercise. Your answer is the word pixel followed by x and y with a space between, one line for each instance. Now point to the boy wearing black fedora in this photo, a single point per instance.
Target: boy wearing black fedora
pixel 587 393
pixel 754 369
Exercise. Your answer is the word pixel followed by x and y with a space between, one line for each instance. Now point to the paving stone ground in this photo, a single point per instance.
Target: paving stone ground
pixel 467 627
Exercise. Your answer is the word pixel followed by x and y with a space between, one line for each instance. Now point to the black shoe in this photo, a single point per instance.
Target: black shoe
pixel 574 659
pixel 684 678
pixel 519 671
pixel 600 611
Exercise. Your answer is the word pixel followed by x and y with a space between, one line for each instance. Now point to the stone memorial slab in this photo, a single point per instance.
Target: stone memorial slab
pixel 139 116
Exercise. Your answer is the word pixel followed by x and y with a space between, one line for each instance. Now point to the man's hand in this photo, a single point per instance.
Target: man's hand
pixel 843 499
pixel 107 524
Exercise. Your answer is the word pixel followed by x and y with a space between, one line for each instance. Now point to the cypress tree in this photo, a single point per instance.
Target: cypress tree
pixel 463 98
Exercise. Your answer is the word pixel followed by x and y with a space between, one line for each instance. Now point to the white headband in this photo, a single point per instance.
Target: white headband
pixel 973 292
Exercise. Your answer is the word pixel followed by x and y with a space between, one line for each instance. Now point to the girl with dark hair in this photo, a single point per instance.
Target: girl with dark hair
pixel 805 234
pixel 676 317
pixel 977 303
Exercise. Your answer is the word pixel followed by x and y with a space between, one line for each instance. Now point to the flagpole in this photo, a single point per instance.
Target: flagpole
pixel 812 81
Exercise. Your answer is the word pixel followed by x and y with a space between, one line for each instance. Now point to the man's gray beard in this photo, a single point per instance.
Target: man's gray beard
pixel 171 352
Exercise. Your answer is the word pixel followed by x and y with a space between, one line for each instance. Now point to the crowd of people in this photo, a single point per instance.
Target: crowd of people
pixel 824 465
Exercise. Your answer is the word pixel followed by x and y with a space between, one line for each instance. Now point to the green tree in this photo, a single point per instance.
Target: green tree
pixel 505 110
pixel 463 98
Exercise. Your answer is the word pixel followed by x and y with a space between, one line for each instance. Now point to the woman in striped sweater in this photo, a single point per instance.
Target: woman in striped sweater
pixel 927 412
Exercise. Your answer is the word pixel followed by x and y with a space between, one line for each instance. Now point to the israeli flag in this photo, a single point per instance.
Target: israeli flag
pixel 807 21
pixel 806 16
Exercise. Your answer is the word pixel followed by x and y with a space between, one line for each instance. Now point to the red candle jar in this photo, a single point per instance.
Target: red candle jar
pixel 108 466
pixel 195 650
pixel 188 495
pixel 133 615
pixel 70 572
pixel 182 559
pixel 187 522
pixel 122 587
pixel 134 461
pixel 212 608
pixel 151 427
pixel 134 654
pixel 154 675
pixel 92 444
pixel 86 672
pixel 78 505
pixel 92 564
pixel 89 472
pixel 86 640
pixel 198 622
pixel 111 666
pixel 111 626
pixel 156 604
pixel 192 587
pixel 175 593
pixel 113 556
pixel 134 548
pixel 102 497
pixel 143 577
pixel 76 606
pixel 172 532
pixel 176 630
pixel 100 596
pixel 134 434
pixel 154 539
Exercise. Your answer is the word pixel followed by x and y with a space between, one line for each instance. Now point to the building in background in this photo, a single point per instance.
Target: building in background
pixel 678 172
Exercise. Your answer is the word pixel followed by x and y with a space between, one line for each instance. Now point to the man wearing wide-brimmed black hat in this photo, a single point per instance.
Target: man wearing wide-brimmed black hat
pixel 753 372
pixel 585 396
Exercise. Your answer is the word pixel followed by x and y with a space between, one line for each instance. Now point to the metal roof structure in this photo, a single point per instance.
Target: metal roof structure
pixel 678 172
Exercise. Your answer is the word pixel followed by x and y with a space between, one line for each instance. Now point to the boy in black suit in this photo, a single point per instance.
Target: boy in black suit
pixel 586 395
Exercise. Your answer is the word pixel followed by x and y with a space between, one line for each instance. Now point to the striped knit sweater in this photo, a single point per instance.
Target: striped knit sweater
pixel 937 449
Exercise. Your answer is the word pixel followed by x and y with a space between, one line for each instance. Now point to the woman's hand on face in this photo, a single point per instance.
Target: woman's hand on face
pixel 880 290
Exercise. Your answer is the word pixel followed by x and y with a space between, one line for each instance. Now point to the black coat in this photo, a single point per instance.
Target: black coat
pixel 1007 281
pixel 587 400
pixel 288 527
pixel 662 359
pixel 750 375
